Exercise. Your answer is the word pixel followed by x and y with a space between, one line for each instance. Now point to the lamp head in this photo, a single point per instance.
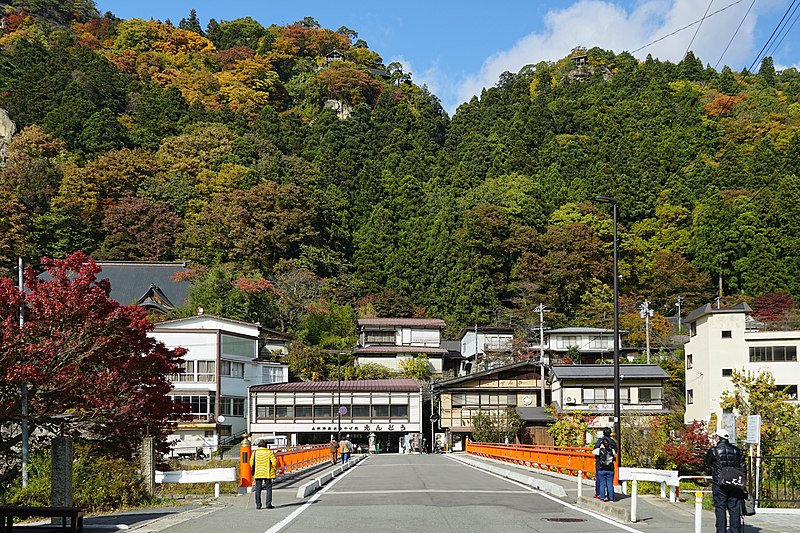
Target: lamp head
pixel 606 199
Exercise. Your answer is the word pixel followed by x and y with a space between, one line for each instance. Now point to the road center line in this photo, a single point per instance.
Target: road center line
pixel 420 491
pixel 289 519
pixel 553 498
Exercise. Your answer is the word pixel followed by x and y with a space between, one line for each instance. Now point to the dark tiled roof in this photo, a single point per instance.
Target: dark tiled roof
pixel 413 322
pixel 399 349
pixel 580 330
pixel 367 385
pixel 707 309
pixel 534 414
pixel 579 372
pixel 130 280
pixel 478 375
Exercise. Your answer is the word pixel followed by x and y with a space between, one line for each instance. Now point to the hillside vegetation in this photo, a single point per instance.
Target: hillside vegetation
pixel 143 140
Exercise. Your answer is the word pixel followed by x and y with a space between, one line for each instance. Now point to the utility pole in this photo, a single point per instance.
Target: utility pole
pixel 680 300
pixel 645 312
pixel 24 385
pixel 542 359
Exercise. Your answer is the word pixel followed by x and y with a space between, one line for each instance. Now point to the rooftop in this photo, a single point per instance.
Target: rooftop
pixel 412 322
pixel 366 385
pixel 580 372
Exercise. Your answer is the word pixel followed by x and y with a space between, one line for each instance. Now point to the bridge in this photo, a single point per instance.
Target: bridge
pixel 427 493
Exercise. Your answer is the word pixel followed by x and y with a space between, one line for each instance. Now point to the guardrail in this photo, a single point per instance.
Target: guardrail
pixel 294 458
pixel 562 459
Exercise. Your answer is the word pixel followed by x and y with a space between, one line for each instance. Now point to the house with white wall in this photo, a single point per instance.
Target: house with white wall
pixel 388 341
pixel 485 347
pixel 221 363
pixel 723 340
pixel 589 389
pixel 592 345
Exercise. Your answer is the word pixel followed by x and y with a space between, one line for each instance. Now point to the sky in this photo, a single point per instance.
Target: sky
pixel 457 48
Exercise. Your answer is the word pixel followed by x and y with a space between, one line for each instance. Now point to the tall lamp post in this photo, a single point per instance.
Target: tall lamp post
pixel 617 416
pixel 339 401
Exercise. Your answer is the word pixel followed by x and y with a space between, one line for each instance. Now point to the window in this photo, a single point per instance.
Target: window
pixel 599 343
pixel 727 372
pixel 605 395
pixel 789 390
pixel 379 337
pixel 689 361
pixel 265 411
pixel 726 334
pixel 567 340
pixel 692 329
pixel 303 411
pixel 380 411
pixel 206 371
pixel 650 394
pixel 772 353
pixel 239 346
pixel 187 375
pixel 360 411
pixel 689 396
pixel 232 406
pixel 232 369
pixel 398 411
pixel 458 400
pixel 272 374
pixel 225 431
pixel 323 411
pixel 284 411
pixel 196 405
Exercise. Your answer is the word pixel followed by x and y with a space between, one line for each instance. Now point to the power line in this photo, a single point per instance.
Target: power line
pixel 741 22
pixel 700 25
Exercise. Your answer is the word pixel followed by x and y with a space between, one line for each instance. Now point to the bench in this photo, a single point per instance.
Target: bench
pixel 75 515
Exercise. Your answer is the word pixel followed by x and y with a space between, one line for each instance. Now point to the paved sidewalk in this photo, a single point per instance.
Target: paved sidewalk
pixel 655 514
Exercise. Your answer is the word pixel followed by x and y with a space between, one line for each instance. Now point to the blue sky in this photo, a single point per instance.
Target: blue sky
pixel 457 48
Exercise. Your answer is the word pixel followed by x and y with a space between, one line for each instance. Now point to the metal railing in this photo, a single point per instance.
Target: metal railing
pixel 777 483
pixel 294 458
pixel 562 459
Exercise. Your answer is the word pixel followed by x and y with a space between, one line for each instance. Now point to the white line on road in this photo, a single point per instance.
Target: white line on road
pixel 553 498
pixel 420 491
pixel 289 519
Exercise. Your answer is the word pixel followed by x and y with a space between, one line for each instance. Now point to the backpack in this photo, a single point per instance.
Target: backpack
pixel 605 457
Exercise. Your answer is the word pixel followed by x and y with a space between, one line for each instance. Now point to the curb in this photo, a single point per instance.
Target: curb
pixel 304 491
pixel 620 514
pixel 540 484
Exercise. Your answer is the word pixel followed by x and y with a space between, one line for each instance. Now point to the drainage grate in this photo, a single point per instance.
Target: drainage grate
pixel 565 519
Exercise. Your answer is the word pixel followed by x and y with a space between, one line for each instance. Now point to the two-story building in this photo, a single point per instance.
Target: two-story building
pixel 388 341
pixel 485 347
pixel 589 389
pixel 377 412
pixel 518 385
pixel 589 345
pixel 723 340
pixel 221 362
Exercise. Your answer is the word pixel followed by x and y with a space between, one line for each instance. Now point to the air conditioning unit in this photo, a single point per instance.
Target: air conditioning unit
pixel 569 400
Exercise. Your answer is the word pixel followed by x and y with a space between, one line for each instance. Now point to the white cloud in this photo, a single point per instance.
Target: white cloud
pixel 613 27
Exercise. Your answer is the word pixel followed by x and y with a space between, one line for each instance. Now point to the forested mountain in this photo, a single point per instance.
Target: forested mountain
pixel 142 140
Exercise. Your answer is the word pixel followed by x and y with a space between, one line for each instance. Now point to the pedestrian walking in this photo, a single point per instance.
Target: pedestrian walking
pixel 606 434
pixel 727 497
pixel 345 448
pixel 334 450
pixel 263 464
pixel 604 469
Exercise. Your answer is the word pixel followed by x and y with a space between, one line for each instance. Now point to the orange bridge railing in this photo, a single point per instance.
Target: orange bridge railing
pixel 296 458
pixel 562 459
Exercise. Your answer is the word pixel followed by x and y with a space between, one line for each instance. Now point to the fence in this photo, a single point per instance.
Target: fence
pixel 562 459
pixel 294 458
pixel 775 480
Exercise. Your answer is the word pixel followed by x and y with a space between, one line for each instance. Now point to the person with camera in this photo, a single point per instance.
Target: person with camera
pixel 727 481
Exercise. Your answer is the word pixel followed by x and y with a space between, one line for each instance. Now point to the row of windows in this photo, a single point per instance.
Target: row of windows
pixel 204 405
pixel 773 353
pixel 484 399
pixel 196 371
pixel 329 412
pixel 606 395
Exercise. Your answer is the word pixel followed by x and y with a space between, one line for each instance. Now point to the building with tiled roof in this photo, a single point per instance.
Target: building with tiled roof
pixel 389 341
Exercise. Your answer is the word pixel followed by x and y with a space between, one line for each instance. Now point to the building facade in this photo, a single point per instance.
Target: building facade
pixel 721 340
pixel 581 345
pixel 388 341
pixel 485 347
pixel 589 389
pixel 373 412
pixel 221 362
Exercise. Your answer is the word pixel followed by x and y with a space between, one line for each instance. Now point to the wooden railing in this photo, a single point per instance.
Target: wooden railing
pixel 294 458
pixel 562 459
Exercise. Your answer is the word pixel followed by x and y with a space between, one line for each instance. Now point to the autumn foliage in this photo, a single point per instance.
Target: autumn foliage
pixel 84 355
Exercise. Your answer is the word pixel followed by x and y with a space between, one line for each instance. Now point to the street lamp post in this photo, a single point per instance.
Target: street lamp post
pixel 617 415
pixel 339 389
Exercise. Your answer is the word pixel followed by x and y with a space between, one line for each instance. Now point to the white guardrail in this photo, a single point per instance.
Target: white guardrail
pixel 209 475
pixel 667 478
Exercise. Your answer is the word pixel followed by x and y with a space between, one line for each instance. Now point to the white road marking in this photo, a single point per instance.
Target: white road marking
pixel 421 491
pixel 553 498
pixel 289 519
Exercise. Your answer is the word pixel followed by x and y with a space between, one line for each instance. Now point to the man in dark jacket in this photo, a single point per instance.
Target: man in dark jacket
pixel 607 435
pixel 723 453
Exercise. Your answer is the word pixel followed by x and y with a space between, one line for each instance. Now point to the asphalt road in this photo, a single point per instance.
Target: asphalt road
pixel 402 493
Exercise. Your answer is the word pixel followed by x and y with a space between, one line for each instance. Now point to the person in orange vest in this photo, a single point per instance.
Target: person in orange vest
pixel 263 464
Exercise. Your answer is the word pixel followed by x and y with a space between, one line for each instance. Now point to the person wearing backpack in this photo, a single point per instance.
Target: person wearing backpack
pixel 606 434
pixel 604 469
pixel 726 488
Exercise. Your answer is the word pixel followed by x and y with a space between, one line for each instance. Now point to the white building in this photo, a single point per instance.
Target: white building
pixel 477 341
pixel 720 340
pixel 220 364
pixel 311 412
pixel 388 341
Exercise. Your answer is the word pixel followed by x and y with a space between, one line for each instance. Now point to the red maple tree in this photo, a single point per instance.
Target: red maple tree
pixel 84 355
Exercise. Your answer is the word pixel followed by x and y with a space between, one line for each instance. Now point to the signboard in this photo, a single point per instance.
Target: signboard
pixel 729 423
pixel 712 424
pixel 753 429
pixel 343 410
